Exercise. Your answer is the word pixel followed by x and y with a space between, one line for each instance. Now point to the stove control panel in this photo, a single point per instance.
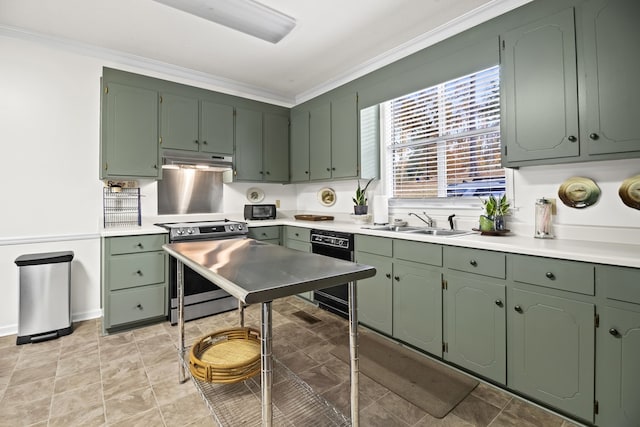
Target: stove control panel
pixel 204 231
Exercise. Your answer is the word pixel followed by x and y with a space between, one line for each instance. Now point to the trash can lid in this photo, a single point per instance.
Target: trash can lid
pixel 44 258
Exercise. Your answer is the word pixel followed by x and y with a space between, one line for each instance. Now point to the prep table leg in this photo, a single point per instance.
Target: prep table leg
pixel 182 375
pixel 241 311
pixel 266 364
pixel 353 352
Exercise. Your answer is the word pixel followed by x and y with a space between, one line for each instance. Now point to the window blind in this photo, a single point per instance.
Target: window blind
pixel 444 141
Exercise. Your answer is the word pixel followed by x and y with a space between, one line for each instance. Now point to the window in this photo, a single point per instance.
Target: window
pixel 444 141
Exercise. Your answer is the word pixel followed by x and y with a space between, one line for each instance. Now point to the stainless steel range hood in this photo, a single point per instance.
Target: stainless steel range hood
pixel 174 159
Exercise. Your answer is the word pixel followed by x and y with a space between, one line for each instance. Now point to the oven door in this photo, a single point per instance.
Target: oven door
pixel 201 297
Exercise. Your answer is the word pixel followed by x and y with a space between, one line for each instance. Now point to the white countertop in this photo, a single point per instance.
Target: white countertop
pixel 578 250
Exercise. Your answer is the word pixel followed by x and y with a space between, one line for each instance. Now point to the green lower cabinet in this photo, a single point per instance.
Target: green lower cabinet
pixel 417 306
pixel 297 238
pixel 618 370
pixel 269 234
pixel 475 326
pixel 375 294
pixel 551 347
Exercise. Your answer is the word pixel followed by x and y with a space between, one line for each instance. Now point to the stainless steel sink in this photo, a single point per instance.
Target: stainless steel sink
pixel 390 227
pixel 419 230
pixel 442 233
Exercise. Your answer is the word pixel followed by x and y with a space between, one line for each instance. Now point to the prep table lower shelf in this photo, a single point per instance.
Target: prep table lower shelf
pixel 295 403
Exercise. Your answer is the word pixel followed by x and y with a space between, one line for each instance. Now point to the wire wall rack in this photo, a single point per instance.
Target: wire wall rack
pixel 121 206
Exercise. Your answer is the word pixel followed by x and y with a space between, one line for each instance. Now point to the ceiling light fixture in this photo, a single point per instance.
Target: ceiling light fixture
pixel 247 16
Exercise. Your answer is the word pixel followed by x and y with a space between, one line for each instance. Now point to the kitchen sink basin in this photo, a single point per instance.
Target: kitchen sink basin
pixel 442 233
pixel 390 227
pixel 419 230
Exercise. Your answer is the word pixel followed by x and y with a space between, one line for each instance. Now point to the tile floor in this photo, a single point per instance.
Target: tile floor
pixel 130 378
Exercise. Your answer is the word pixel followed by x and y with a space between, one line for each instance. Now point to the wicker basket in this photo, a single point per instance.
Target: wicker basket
pixel 227 356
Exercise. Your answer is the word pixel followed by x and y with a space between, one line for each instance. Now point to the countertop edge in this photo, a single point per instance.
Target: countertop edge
pixel 618 254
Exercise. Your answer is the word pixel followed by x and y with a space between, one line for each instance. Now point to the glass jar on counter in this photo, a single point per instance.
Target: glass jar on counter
pixel 544 210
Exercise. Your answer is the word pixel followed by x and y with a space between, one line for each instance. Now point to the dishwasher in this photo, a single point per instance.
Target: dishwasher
pixel 339 245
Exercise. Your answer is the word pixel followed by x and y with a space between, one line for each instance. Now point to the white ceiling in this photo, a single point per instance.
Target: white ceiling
pixel 333 42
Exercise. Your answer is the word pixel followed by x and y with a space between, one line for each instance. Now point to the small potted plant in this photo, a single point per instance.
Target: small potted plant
pixel 360 200
pixel 495 210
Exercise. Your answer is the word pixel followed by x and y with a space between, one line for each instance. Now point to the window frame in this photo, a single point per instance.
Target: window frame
pixel 458 202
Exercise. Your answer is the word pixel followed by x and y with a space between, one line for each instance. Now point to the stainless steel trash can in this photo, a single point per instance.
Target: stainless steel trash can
pixel 45 296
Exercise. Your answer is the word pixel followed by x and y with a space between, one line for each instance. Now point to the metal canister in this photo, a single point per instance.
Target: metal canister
pixel 543 219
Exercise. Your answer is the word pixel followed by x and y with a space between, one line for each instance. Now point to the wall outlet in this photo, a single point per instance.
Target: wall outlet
pixel 277 203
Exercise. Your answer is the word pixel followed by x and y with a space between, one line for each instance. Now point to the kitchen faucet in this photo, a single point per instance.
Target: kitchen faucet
pixel 450 219
pixel 429 221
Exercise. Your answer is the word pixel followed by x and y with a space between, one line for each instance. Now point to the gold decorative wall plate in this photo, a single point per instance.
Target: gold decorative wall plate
pixel 579 192
pixel 629 192
pixel 326 196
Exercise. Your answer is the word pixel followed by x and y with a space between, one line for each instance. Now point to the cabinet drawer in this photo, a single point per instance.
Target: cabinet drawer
pixel 265 233
pixel 299 246
pixel 374 245
pixel 492 264
pixel 134 244
pixel 298 233
pixel 127 271
pixel 425 253
pixel 619 283
pixel 132 305
pixel 554 273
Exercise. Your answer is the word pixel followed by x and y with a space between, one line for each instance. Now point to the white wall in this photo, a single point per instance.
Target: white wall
pixel 51 195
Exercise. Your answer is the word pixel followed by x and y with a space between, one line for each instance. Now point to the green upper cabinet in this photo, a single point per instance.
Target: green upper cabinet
pixel 216 127
pixel 568 84
pixel 320 142
pixel 611 38
pixel 187 123
pixel 248 161
pixel 129 132
pixel 333 139
pixel 276 148
pixel 344 137
pixel 299 150
pixel 551 347
pixel 262 146
pixel 179 122
pixel 539 90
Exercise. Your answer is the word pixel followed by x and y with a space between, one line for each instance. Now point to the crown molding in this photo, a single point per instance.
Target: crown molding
pixel 232 87
pixel 456 26
pixel 221 84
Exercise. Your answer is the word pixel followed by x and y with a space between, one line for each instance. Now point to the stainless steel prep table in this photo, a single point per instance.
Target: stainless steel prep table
pixel 257 272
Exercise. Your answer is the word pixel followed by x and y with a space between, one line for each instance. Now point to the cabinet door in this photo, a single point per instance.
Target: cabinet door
pixel 344 137
pixel 216 128
pixel 551 350
pixel 476 326
pixel 299 146
pixel 276 148
pixel 320 142
pixel 539 90
pixel 618 371
pixel 375 294
pixel 179 122
pixel 248 145
pixel 611 39
pixel 129 132
pixel 417 306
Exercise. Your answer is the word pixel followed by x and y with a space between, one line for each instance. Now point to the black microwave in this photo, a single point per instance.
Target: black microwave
pixel 259 211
